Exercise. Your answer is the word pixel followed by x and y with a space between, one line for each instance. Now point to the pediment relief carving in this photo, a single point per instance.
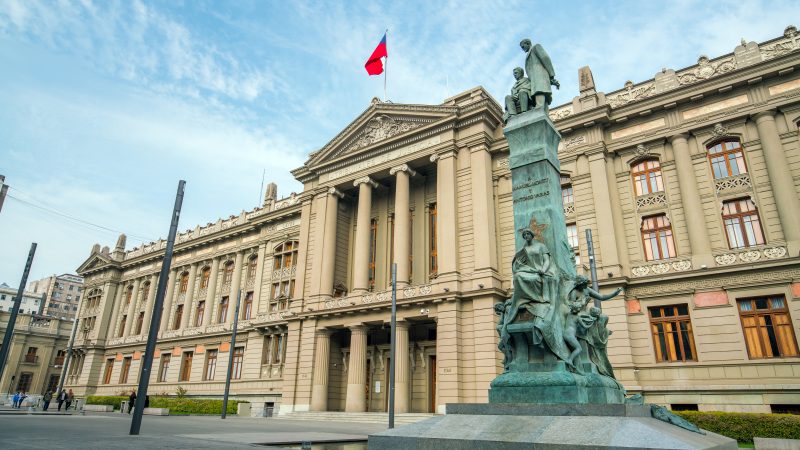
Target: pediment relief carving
pixel 379 128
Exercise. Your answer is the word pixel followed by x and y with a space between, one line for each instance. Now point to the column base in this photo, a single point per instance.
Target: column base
pixel 356 398
pixel 401 398
pixel 319 397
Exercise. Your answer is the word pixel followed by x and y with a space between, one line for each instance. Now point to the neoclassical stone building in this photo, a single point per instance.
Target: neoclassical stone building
pixel 689 182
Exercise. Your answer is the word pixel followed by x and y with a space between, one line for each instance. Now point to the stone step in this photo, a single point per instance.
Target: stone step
pixel 335 416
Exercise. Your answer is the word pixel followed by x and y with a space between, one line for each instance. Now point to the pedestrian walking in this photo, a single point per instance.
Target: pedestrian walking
pixel 46 400
pixel 15 400
pixel 131 401
pixel 70 398
pixel 62 397
pixel 22 398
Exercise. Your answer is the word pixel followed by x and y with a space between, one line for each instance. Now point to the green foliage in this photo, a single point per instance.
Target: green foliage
pixel 745 426
pixel 176 405
pixel 181 392
pixel 113 400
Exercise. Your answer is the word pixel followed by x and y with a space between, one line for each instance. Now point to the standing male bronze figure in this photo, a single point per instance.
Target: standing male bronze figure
pixel 540 71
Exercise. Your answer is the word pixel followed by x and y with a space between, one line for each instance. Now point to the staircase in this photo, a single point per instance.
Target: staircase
pixel 365 417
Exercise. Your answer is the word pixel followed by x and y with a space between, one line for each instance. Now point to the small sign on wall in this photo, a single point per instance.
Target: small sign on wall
pixel 377 387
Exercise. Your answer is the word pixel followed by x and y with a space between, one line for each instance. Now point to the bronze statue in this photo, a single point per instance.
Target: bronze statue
pixel 520 99
pixel 540 71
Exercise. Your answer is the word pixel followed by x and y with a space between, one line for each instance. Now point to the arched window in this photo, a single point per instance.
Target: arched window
pixel 252 265
pixel 227 275
pixel 285 255
pixel 145 291
pixel 742 224
pixel 646 177
pixel 205 276
pixel 128 295
pixel 184 283
pixel 727 159
pixel 657 238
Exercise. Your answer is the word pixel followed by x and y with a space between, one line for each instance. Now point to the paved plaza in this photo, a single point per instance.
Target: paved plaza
pixel 103 431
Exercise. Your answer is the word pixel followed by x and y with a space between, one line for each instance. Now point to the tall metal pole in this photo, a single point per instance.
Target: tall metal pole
pixel 230 356
pixel 15 310
pixel 393 345
pixel 68 356
pixel 155 322
pixel 593 267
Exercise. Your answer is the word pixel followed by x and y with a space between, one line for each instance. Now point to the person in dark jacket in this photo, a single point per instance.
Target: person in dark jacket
pixel 62 397
pixel 69 399
pixel 131 401
pixel 46 400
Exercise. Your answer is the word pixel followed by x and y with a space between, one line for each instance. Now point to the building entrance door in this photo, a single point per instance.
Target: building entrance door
pixel 432 384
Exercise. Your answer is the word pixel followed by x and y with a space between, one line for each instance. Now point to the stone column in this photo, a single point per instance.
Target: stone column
pixel 149 304
pixel 132 308
pixel 690 199
pixel 187 301
pixel 235 284
pixel 211 293
pixel 165 311
pixel 483 223
pixel 401 368
pixel 115 311
pixel 322 356
pixel 616 213
pixel 446 230
pixel 605 220
pixel 787 200
pixel 356 399
pixel 329 242
pixel 363 231
pixel 262 250
pixel 402 221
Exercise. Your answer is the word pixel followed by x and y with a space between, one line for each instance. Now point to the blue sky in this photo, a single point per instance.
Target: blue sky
pixel 105 105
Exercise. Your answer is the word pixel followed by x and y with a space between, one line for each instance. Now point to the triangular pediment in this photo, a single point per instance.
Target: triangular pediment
pixel 381 123
pixel 95 262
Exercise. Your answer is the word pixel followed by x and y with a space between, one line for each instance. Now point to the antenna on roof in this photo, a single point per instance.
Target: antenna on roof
pixel 261 189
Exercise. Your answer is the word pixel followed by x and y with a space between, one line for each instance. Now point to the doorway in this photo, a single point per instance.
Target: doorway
pixel 432 383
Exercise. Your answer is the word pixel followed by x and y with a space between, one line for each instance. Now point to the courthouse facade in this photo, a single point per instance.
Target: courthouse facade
pixel 690 183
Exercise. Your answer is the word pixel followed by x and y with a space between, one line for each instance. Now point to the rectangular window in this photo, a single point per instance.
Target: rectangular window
pixel 30 357
pixel 248 306
pixel 647 177
pixel 24 383
pixel 572 237
pixel 672 333
pixel 178 317
pixel 163 367
pixel 139 323
pixel 211 364
pixel 767 327
pixel 432 252
pixel 126 368
pixel 60 355
pixel 567 195
pixel 52 384
pixel 199 313
pixel 107 373
pixel 186 366
pixel 727 159
pixel 238 357
pixel 373 250
pixel 122 325
pixel 223 310
pixel 657 238
pixel 742 225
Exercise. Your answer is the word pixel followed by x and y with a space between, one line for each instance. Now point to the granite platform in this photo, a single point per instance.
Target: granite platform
pixel 545 427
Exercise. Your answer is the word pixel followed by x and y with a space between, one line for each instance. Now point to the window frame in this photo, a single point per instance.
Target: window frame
pixel 770 311
pixel 185 373
pixel 725 153
pixel 675 320
pixel 205 277
pixel 433 254
pixel 646 172
pixel 176 321
pixel 373 252
pixel 742 225
pixel 199 313
pixel 222 313
pixel 209 371
pixel 237 353
pixel 109 368
pixel 657 230
pixel 163 367
pixel 125 370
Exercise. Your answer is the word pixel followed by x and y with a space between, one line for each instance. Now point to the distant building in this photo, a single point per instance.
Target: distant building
pixel 31 301
pixel 63 294
pixel 38 350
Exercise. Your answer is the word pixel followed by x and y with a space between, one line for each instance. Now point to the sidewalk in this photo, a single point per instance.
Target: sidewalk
pixel 103 431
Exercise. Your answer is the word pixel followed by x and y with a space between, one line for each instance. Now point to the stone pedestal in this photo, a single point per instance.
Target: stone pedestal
pixel 545 427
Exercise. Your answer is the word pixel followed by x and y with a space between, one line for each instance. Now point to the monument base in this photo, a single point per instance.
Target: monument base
pixel 546 427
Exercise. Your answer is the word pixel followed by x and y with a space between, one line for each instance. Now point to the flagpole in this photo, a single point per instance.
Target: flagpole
pixel 386 66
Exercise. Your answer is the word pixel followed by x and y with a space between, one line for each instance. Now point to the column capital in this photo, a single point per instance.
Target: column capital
pixel 365 180
pixel 322 332
pixel 442 155
pixel 684 136
pixel 336 192
pixel 358 329
pixel 402 168
pixel 402 324
pixel 764 115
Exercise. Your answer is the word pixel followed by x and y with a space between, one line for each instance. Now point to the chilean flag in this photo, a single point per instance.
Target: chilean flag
pixel 374 64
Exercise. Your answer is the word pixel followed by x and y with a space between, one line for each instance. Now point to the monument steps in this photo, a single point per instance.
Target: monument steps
pixel 365 417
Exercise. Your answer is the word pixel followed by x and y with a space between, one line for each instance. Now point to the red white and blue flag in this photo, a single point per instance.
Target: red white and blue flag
pixel 374 64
